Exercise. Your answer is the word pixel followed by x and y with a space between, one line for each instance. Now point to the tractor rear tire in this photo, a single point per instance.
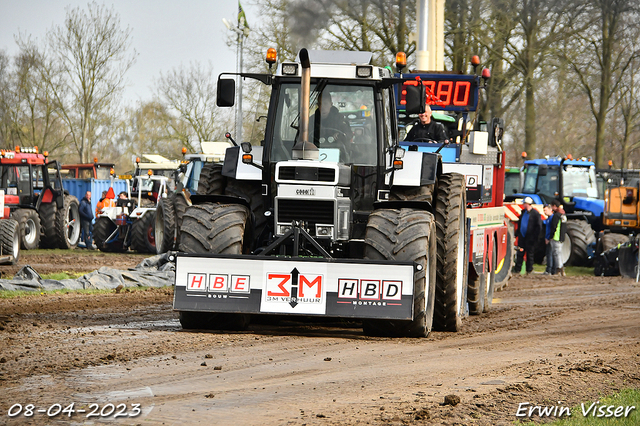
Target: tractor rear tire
pixel 476 291
pixel 143 233
pixel 407 235
pixel 47 213
pixel 165 231
pixel 67 224
pixel 102 229
pixel 505 266
pixel 219 229
pixel 609 241
pixel 211 181
pixel 29 223
pixel 581 236
pixel 251 192
pixel 10 239
pixel 452 241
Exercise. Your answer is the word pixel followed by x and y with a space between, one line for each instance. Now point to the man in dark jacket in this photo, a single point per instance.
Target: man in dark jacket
pixel 328 128
pixel 86 216
pixel 427 129
pixel 528 232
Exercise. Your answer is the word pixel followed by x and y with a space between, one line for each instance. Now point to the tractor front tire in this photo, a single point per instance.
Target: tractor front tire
pixel 165 227
pixel 220 229
pixel 143 233
pixel 180 205
pixel 29 224
pixel 476 291
pixel 10 239
pixel 407 235
pixel 102 229
pixel 452 242
pixel 581 236
pixel 67 224
pixel 251 192
pixel 211 181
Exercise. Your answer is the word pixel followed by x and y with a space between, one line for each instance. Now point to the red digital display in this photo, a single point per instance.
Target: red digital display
pixel 445 93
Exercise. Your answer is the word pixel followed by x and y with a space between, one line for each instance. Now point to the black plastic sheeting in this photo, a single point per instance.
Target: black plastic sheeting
pixel 156 271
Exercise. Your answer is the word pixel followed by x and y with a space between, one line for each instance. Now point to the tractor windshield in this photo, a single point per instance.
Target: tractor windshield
pixel 341 123
pixel 579 181
pixel 543 181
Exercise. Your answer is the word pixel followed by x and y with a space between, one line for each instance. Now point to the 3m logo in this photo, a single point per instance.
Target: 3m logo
pixel 365 289
pixel 294 287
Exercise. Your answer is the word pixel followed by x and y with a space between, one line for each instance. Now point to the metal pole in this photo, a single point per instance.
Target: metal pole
pixel 239 91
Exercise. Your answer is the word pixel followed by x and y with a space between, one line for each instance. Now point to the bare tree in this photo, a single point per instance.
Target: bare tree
pixel 189 93
pixel 37 115
pixel 7 102
pixel 93 54
pixel 601 57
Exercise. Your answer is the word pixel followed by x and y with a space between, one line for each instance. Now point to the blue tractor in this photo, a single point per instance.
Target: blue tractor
pixel 574 183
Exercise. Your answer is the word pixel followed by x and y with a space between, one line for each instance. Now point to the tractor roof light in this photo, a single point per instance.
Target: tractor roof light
pixel 137 160
pixel 46 154
pixel 36 148
pixel 475 60
pixel 290 69
pixel 150 172
pixel 364 71
pixel 524 154
pixel 112 172
pixel 95 159
pixel 17 148
pixel 401 61
pixel 272 56
pixel 184 150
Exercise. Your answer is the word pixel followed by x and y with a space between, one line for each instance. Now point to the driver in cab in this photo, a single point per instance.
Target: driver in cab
pixel 334 131
pixel 426 129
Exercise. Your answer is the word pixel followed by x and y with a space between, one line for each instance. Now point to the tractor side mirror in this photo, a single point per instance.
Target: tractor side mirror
pixel 226 94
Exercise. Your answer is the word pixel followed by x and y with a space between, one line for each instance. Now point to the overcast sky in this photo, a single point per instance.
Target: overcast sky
pixel 166 33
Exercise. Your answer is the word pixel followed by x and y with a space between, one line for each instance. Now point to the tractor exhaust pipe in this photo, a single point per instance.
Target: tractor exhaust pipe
pixel 303 149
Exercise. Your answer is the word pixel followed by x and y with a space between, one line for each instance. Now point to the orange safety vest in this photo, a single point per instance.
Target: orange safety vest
pixel 105 202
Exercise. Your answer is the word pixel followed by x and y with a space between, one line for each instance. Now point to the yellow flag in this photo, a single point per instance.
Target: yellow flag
pixel 242 18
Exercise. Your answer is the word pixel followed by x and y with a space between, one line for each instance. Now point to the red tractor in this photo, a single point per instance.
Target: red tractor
pixel 47 216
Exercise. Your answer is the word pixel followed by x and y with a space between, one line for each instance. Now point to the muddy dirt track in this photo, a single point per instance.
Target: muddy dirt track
pixel 549 341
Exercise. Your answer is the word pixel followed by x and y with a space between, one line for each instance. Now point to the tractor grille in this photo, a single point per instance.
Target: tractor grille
pixel 309 211
pixel 307 173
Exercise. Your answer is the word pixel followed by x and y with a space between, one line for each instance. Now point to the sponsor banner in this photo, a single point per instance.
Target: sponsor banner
pixel 309 287
pixel 485 217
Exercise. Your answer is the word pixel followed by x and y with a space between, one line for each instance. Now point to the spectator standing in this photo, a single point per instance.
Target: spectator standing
pixel 558 230
pixel 528 232
pixel 86 216
pixel 551 266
